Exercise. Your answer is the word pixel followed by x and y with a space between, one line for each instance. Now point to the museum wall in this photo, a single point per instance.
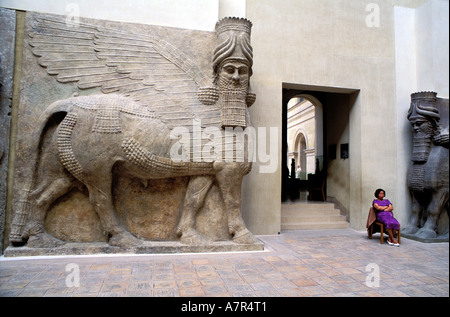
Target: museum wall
pixel 338 181
pixel 335 44
pixel 195 14
pixel 328 44
pixel 422 57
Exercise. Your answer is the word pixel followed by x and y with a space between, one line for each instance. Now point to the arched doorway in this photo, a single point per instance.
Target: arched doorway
pixel 334 110
pixel 300 148
pixel 303 153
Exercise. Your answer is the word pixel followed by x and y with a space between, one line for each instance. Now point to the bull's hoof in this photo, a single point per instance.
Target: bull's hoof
pixel 193 238
pixel 43 240
pixel 426 234
pixel 410 230
pixel 124 240
pixel 444 236
pixel 244 237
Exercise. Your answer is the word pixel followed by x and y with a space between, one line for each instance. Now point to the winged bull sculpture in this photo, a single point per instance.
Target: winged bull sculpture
pixel 149 87
pixel 428 171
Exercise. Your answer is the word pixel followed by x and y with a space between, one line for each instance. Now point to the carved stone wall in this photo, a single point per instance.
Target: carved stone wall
pixel 428 178
pixel 149 209
pixel 7 37
pixel 443 222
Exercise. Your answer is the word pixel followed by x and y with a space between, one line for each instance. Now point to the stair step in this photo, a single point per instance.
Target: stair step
pixel 311 216
pixel 292 213
pixel 315 225
pixel 307 207
pixel 312 205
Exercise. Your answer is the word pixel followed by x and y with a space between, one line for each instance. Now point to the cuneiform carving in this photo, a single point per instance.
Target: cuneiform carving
pixel 148 87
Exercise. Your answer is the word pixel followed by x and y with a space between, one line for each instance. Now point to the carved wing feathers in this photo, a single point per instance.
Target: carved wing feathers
pixel 145 68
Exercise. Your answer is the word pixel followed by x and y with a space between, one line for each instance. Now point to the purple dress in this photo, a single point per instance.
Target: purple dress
pixel 386 217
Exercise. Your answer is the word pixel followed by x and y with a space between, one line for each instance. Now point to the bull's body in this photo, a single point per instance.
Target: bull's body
pixel 429 186
pixel 87 139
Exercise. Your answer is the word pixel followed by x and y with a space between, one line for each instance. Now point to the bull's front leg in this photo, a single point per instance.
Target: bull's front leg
pixel 416 212
pixel 437 205
pixel 229 177
pixel 197 189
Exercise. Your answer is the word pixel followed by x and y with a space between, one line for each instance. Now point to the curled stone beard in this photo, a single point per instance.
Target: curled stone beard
pixel 232 101
pixel 422 141
pixel 421 149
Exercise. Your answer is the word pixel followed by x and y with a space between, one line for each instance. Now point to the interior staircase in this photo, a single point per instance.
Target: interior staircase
pixel 311 216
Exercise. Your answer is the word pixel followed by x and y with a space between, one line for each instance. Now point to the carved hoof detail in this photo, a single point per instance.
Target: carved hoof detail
pixel 44 240
pixel 124 239
pixel 426 234
pixel 244 237
pixel 410 230
pixel 193 238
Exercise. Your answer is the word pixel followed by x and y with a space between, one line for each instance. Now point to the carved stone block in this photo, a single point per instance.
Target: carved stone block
pixel 428 176
pixel 100 108
pixel 7 38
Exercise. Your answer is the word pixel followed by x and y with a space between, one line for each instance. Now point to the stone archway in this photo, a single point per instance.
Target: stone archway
pixel 299 148
pixel 307 126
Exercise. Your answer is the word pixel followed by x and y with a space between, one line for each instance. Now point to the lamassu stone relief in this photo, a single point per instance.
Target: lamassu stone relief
pixel 428 172
pixel 122 136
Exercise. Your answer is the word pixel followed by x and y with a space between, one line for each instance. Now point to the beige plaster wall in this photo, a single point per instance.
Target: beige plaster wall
pixel 323 43
pixel 422 63
pixel 338 180
pixel 328 43
pixel 192 14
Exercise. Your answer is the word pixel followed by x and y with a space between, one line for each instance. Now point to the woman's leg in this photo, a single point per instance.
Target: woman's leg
pixel 392 226
pixel 390 232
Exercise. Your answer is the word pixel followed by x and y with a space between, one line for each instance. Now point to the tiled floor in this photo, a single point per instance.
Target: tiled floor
pixel 295 263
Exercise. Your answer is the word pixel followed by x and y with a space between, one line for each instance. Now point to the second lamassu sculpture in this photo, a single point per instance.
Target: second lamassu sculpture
pixel 428 178
pixel 153 94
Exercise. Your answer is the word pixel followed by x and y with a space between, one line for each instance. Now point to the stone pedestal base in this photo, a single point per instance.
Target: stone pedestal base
pixel 443 238
pixel 148 247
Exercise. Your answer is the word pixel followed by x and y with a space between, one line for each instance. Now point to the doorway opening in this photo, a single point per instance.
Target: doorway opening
pixel 304 147
pixel 315 130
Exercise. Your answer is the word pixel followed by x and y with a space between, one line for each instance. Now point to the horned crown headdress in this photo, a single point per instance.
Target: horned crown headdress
pixel 423 105
pixel 233 44
pixel 233 38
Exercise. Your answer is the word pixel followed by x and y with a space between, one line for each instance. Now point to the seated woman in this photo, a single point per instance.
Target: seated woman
pixel 383 208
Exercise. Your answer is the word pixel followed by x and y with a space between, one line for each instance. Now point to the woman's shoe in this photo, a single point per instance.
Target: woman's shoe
pixel 393 243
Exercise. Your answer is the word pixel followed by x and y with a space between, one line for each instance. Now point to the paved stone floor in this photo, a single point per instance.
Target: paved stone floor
pixel 295 263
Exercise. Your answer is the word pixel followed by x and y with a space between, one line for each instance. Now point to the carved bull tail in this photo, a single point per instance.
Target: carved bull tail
pixel 161 167
pixel 56 111
pixel 21 215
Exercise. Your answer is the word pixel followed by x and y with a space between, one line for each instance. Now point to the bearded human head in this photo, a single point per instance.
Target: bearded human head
pixel 233 42
pixel 232 68
pixel 423 113
pixel 424 118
